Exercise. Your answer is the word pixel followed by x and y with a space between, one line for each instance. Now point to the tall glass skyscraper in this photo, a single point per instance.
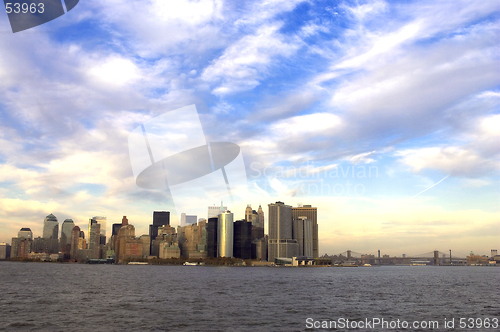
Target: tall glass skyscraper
pixel 225 234
pixel 50 227
pixel 66 229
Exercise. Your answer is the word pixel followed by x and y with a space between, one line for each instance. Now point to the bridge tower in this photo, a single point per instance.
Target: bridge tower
pixel 348 255
pixel 436 257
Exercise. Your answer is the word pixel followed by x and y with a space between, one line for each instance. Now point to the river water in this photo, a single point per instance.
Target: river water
pixel 78 297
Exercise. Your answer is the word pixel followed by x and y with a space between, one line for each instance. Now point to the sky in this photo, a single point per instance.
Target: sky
pixel 384 115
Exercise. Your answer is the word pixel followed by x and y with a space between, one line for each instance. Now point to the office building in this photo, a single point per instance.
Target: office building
pixel 165 234
pixel 25 233
pixel 192 240
pixel 101 221
pixel 225 234
pixel 4 251
pixel 303 233
pixel 146 243
pixel 260 213
pixel 212 237
pixel 310 213
pixel 160 218
pixel 74 243
pixel 94 241
pixel 20 247
pixel 51 234
pixel 65 241
pixel 259 249
pixel 281 243
pixel 188 219
pixel 127 246
pixel 242 239
pixel 251 216
pixel 213 211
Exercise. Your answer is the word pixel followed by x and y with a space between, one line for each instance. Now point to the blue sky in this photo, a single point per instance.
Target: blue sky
pixel 310 91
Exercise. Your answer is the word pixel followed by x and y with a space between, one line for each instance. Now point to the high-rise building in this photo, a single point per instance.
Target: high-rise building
pixel 75 235
pixel 303 233
pixel 101 221
pixel 51 234
pixel 21 247
pixel 160 218
pixel 212 237
pixel 251 216
pixel 188 219
pixel 242 239
pixel 25 233
pixel 281 242
pixel 4 251
pixel 192 240
pixel 259 249
pixel 310 213
pixel 65 241
pixel 127 246
pixel 225 234
pixel 260 213
pixel 94 240
pixel 213 211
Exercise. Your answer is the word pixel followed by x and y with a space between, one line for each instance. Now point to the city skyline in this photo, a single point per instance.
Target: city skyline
pixel 385 115
pixel 293 210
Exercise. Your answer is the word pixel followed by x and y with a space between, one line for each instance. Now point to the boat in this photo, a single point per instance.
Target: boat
pixel 189 264
pixel 137 263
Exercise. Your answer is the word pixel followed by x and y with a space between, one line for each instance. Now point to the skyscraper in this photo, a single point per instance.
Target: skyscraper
pixel 75 234
pixel 66 229
pixel 213 211
pixel 188 220
pixel 50 227
pixel 160 218
pixel 25 233
pixel 260 213
pixel 310 213
pixel 242 245
pixel 281 242
pixel 94 240
pixel 212 230
pixel 303 233
pixel 101 221
pixel 225 233
pixel 51 234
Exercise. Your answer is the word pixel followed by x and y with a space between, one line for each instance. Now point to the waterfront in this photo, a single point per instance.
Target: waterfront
pixel 79 297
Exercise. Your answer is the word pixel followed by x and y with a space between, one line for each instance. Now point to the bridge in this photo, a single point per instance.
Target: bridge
pixel 435 257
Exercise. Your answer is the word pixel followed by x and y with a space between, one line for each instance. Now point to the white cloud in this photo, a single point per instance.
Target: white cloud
pixel 456 161
pixel 115 71
pixel 245 62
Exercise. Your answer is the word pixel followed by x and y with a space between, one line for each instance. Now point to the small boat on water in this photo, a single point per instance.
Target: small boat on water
pixel 190 264
pixel 137 263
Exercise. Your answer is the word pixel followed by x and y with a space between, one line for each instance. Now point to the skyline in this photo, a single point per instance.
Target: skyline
pixel 383 115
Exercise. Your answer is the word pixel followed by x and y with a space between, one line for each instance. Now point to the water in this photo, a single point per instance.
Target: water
pixel 77 297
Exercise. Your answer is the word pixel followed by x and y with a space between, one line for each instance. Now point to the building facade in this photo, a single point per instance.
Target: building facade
pixel 310 213
pixel 281 242
pixel 225 234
